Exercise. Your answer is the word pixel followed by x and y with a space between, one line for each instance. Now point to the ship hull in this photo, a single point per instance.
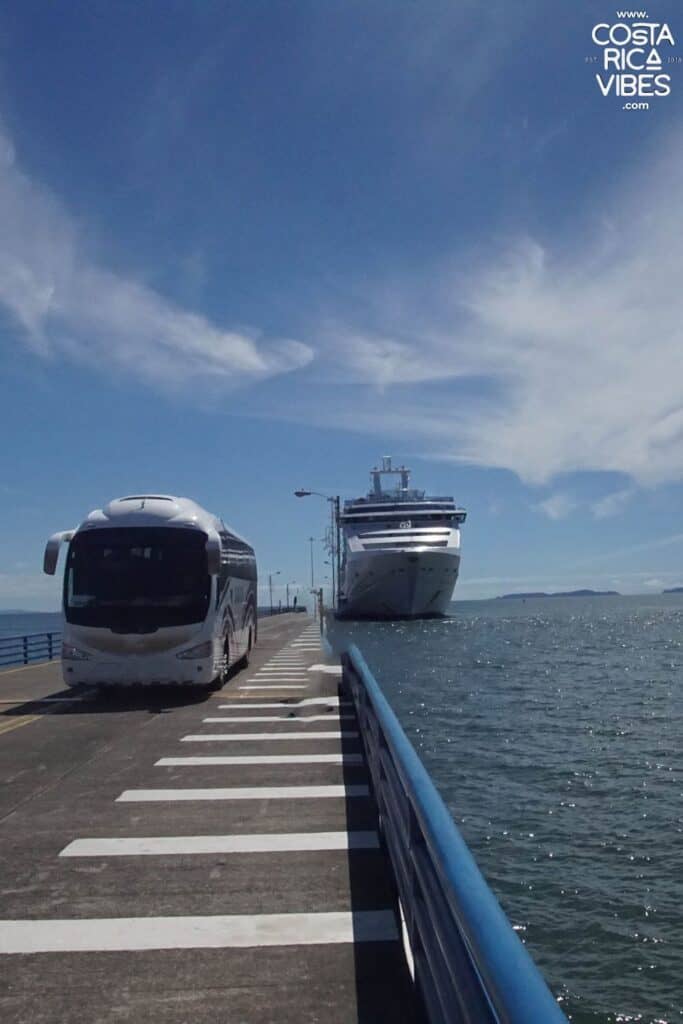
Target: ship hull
pixel 399 584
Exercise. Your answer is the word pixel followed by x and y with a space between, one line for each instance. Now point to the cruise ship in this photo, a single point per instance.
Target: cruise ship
pixel 401 550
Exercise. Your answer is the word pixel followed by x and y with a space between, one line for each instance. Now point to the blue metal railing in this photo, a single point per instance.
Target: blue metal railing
pixel 266 612
pixel 470 966
pixel 29 647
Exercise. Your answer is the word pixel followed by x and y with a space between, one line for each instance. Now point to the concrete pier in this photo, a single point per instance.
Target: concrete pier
pixel 171 856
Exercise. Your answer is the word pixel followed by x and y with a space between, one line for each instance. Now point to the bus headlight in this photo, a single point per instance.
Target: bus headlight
pixel 71 653
pixel 204 650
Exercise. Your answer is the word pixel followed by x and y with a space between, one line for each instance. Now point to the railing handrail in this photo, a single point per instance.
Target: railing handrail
pixel 28 636
pixel 28 648
pixel 468 944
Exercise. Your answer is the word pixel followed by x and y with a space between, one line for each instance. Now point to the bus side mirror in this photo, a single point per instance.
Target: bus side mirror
pixel 213 555
pixel 52 550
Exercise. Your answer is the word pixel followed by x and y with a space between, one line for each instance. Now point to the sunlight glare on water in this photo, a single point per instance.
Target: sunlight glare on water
pixel 552 728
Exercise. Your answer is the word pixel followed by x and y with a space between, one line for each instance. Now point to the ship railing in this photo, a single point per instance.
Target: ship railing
pixel 26 648
pixel 470 967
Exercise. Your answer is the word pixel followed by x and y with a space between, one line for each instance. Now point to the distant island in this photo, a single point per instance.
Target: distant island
pixel 673 590
pixel 565 593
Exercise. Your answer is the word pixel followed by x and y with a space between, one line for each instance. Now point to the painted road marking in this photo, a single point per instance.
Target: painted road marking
pixel 17 722
pixel 266 686
pixel 135 796
pixel 259 737
pixel 284 668
pixel 160 846
pixel 42 700
pixel 287 719
pixel 84 935
pixel 307 702
pixel 273 676
pixel 332 670
pixel 271 672
pixel 180 762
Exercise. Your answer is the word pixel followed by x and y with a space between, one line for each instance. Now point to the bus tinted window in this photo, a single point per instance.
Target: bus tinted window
pixel 136 580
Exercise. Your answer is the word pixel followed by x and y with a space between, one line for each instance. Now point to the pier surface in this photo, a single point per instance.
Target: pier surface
pixel 174 856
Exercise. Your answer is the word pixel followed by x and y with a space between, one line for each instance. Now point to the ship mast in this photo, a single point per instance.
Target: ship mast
pixel 376 474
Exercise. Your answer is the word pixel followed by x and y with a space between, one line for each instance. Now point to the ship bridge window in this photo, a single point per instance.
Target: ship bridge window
pixel 379 519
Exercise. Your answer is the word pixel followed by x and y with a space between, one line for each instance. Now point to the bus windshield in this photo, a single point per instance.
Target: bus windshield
pixel 136 580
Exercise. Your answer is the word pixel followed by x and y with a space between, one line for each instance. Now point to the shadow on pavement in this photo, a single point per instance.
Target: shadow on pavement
pixel 384 987
pixel 111 700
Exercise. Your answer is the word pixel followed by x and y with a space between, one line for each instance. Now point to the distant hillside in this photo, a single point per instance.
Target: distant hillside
pixel 565 593
pixel 673 590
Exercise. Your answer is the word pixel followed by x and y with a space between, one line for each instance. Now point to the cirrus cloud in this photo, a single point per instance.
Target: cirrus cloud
pixel 67 305
pixel 547 357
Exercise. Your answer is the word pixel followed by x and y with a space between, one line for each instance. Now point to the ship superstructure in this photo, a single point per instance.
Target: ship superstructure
pixel 401 549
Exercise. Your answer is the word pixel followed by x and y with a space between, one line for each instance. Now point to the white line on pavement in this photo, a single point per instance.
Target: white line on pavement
pixel 181 762
pixel 332 717
pixel 242 793
pixel 137 933
pixel 155 846
pixel 267 686
pixel 259 737
pixel 307 702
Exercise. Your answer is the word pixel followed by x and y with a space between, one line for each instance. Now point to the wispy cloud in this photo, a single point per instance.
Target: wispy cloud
pixel 66 305
pixel 561 504
pixel 648 545
pixel 560 355
pixel 613 504
pixel 557 506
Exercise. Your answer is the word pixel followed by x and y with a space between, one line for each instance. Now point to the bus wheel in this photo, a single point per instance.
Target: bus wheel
pixel 244 660
pixel 222 677
pixel 250 644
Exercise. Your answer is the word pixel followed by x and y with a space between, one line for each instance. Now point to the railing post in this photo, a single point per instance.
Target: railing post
pixel 25 647
pixel 49 646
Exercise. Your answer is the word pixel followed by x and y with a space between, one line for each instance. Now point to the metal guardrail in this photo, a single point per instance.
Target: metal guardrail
pixel 265 613
pixel 470 965
pixel 29 647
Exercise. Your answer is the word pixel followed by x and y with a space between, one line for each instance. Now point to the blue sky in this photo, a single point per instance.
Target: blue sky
pixel 252 246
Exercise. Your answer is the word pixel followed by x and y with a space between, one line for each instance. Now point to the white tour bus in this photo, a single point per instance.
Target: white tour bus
pixel 156 590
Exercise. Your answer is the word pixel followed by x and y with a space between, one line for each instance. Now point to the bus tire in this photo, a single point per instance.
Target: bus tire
pixel 222 677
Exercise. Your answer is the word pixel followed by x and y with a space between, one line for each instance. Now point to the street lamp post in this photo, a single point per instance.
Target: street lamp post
pixel 334 544
pixel 270 587
pixel 311 541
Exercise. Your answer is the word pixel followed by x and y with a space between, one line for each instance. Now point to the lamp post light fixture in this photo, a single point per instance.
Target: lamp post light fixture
pixel 334 544
pixel 270 587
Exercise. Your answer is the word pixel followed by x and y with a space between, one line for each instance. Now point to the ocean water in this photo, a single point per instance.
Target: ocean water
pixel 20 623
pixel 553 729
